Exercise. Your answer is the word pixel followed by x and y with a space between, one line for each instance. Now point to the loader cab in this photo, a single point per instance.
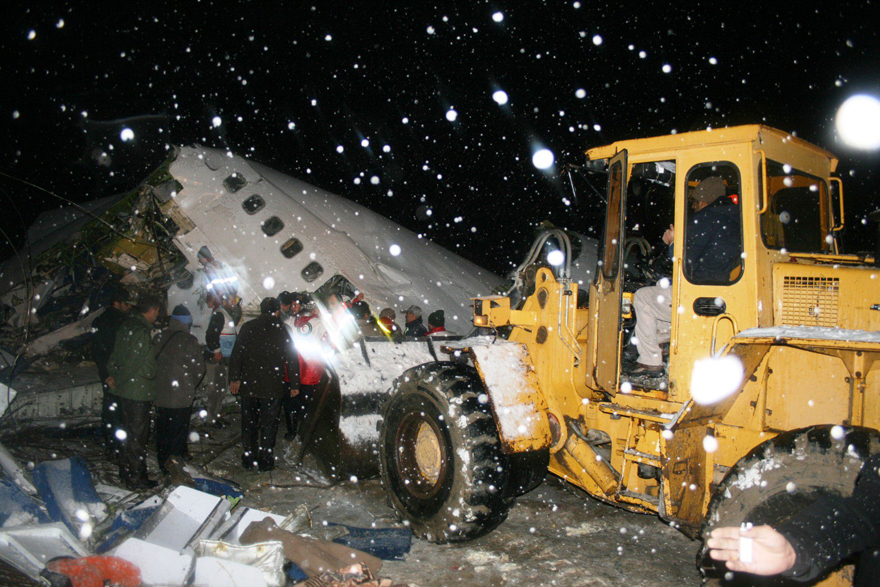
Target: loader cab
pixel 771 204
pixel 701 274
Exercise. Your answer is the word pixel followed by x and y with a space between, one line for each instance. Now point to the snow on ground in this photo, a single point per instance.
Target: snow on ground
pixel 554 536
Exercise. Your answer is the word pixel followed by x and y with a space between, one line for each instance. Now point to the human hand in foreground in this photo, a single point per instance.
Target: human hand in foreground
pixel 111 382
pixel 771 552
pixel 233 387
pixel 294 391
pixel 669 235
pixel 218 356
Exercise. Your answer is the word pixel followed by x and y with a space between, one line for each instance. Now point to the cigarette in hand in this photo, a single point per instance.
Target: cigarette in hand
pixel 746 554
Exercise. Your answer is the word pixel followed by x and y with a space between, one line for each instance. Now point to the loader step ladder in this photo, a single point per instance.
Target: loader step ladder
pixel 632 456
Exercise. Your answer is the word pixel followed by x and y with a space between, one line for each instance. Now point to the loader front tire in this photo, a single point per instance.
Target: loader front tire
pixel 780 477
pixel 440 456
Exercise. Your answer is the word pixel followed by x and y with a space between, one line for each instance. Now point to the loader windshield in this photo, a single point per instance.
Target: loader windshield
pixel 798 218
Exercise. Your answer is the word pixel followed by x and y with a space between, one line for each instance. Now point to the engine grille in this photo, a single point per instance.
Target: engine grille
pixel 810 301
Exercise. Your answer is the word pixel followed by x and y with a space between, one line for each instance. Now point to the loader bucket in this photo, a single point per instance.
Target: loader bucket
pixel 339 436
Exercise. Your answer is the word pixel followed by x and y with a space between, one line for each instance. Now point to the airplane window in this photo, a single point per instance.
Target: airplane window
pixel 291 248
pixel 312 271
pixel 234 182
pixel 273 226
pixel 254 204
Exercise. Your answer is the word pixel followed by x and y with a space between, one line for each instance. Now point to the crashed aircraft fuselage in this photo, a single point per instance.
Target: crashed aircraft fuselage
pixel 210 220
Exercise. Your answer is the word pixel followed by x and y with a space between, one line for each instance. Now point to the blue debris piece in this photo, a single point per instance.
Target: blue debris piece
pixel 128 522
pixel 66 488
pixel 218 488
pixel 17 508
pixel 294 573
pixel 385 543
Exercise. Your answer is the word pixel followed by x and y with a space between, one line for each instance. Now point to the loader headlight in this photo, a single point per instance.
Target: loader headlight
pixel 481 320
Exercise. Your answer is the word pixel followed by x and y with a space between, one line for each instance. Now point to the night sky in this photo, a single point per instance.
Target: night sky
pixel 302 86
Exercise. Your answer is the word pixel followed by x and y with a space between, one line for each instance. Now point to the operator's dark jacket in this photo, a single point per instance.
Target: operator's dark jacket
pixel 262 352
pixel 832 529
pixel 105 327
pixel 714 243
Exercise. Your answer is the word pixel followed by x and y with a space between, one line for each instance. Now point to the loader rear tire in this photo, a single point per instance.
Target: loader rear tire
pixel 440 456
pixel 781 477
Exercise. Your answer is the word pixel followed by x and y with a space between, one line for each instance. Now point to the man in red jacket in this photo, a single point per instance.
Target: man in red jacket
pixel 310 339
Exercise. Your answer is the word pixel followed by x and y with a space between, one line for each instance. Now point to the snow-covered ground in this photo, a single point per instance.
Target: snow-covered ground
pixel 555 535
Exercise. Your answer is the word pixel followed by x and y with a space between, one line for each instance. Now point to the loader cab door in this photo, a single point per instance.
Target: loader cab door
pixel 609 278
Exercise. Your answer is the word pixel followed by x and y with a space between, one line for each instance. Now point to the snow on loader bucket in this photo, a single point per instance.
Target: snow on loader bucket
pixel 339 436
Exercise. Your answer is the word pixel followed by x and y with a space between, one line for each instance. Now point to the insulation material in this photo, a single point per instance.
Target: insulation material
pixel 266 557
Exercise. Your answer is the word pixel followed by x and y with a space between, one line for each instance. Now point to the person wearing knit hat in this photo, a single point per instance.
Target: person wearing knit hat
pixel 414 325
pixel 437 324
pixel 181 314
pixel 181 366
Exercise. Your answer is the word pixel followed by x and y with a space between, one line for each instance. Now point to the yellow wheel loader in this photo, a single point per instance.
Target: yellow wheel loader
pixel 767 397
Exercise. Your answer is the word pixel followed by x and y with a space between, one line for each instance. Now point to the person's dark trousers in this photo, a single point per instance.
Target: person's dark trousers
pixel 172 431
pixel 290 405
pixel 296 408
pixel 134 419
pixel 110 422
pixel 259 426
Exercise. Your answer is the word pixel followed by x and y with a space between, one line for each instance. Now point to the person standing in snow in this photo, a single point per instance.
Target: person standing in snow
pixel 181 367
pixel 105 328
pixel 437 324
pixel 712 251
pixel 263 369
pixel 132 370
pixel 219 340
pixel 310 339
pixel 290 307
pixel 414 325
pixel 815 539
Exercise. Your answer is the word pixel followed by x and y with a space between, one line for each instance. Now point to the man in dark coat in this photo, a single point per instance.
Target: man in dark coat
pixel 104 330
pixel 414 325
pixel 181 367
pixel 132 369
pixel 815 539
pixel 263 369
